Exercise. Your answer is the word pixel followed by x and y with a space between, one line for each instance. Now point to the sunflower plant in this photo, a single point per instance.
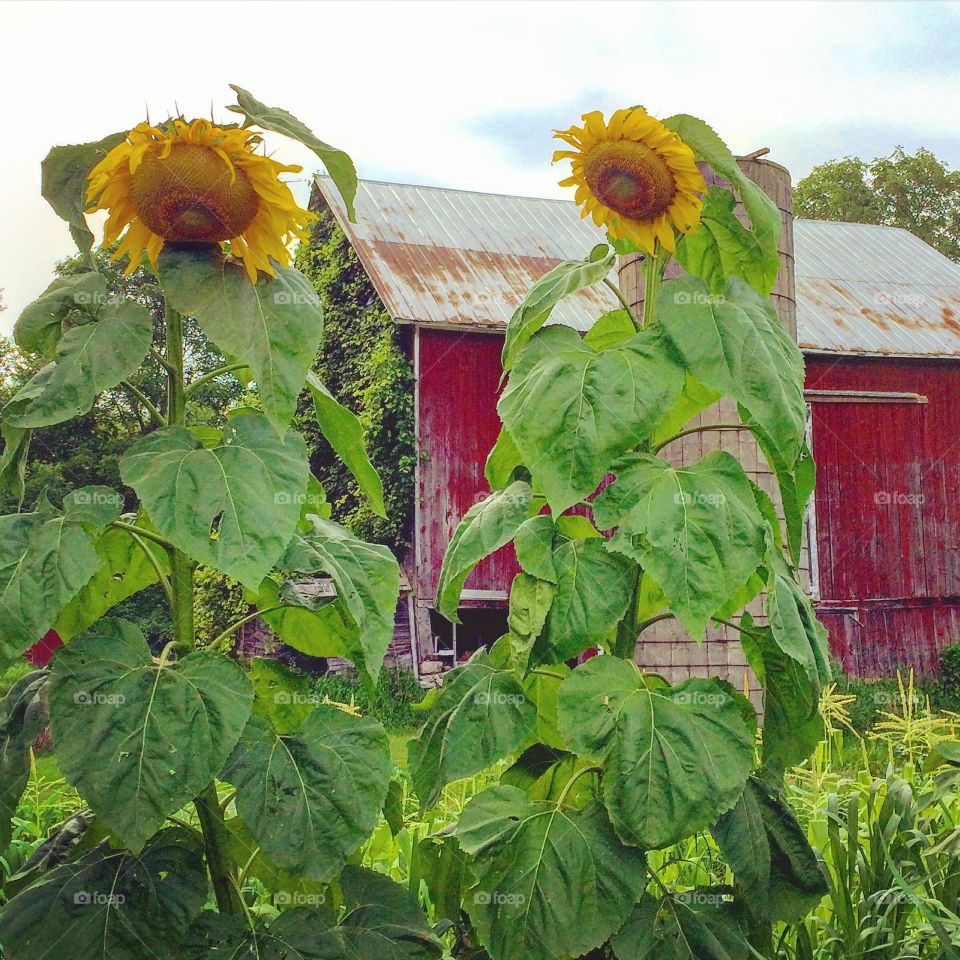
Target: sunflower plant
pixel 607 765
pixel 226 807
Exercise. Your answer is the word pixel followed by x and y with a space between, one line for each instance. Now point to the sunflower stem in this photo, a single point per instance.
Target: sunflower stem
pixel 652 275
pixel 207 377
pixel 622 299
pixel 223 870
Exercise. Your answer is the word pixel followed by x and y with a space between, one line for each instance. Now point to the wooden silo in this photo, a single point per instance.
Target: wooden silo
pixel 665 647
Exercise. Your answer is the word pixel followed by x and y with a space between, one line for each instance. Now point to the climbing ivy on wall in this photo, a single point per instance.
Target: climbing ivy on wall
pixel 363 363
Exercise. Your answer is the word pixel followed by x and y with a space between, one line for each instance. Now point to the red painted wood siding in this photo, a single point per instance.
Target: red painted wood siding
pixel 888 512
pixel 458 380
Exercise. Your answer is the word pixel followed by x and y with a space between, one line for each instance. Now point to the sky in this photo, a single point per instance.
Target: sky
pixel 464 94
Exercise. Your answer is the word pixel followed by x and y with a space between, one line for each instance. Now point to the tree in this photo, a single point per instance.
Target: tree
pixel 917 192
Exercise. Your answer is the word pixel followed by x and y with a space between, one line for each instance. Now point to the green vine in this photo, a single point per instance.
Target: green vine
pixel 364 365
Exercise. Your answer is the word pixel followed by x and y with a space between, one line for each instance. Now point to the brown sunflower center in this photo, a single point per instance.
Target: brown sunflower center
pixel 629 178
pixel 188 196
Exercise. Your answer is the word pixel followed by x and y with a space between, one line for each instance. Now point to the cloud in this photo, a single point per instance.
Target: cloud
pixel 465 94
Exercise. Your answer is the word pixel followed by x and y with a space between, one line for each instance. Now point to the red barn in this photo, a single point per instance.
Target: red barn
pixel 875 318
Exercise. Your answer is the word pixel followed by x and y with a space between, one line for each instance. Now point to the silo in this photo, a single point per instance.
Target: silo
pixel 665 647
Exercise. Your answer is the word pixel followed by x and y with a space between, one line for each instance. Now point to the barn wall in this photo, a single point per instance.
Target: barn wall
pixel 457 387
pixel 888 511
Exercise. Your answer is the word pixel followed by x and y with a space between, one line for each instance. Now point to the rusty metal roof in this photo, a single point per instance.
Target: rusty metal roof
pixel 874 290
pixel 458 258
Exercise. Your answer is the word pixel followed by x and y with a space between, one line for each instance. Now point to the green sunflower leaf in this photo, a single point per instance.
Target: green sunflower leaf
pixel 41 324
pixel 338 164
pixel 234 507
pixel 313 796
pixel 111 904
pixel 572 410
pixel 644 731
pixel 89 359
pixel 274 326
pixel 551 881
pixel 139 738
pixel 564 279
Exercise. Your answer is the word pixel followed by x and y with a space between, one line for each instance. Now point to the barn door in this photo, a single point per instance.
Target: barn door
pixel 869 501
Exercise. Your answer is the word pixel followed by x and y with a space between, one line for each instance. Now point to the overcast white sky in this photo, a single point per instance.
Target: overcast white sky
pixel 465 94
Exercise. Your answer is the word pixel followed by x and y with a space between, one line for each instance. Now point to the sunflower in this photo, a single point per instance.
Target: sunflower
pixel 634 175
pixel 196 183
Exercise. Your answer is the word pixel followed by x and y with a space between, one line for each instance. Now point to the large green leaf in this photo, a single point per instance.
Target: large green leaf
pixel 530 602
pixel 311 797
pixel 63 182
pixel 486 527
pixel 40 325
pixel 338 164
pixel 382 921
pixel 792 725
pixel 140 738
pixel 593 592
pixel 696 925
pixel 703 140
pixel 89 359
pixel 45 561
pixel 722 247
pixel 111 904
pixel 23 715
pixel 551 882
pixel 796 478
pixel 234 507
pixel 543 773
pixel 13 461
pixel 795 628
pixel 481 716
pixel 734 344
pixel 674 758
pixel 546 293
pixel 274 326
pixel 534 545
pixel 502 461
pixel 572 410
pixel 697 530
pixel 344 433
pixel 124 570
pixel 767 850
pixel 367 579
pixel 694 398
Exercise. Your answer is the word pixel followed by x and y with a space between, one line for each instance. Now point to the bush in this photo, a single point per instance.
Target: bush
pixel 12 674
pixel 396 692
pixel 946 692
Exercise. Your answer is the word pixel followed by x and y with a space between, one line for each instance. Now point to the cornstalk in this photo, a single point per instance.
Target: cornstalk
pixel 212 825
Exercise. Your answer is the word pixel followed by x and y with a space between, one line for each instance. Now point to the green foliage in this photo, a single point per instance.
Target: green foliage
pixel 946 691
pixel 365 367
pixel 917 192
pixel 391 700
pixel 218 602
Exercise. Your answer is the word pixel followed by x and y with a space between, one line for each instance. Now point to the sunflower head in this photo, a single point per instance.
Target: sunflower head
pixel 634 176
pixel 196 183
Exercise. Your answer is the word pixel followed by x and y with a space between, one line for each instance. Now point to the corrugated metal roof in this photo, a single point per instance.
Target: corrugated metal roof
pixel 459 258
pixel 453 257
pixel 877 290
